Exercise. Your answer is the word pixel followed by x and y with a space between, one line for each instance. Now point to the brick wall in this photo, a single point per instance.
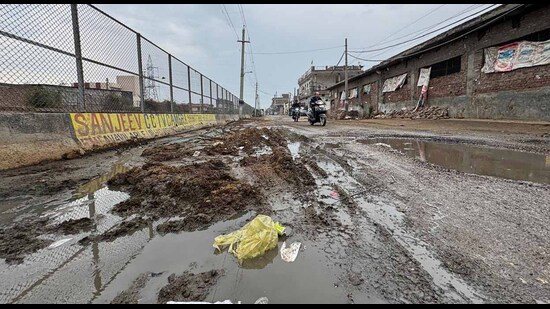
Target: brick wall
pixel 524 89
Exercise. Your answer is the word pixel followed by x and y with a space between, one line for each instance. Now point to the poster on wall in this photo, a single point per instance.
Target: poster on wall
pixel 506 57
pixel 526 54
pixel 515 56
pixel 342 99
pixel 394 83
pixel 491 54
pixel 424 78
pixel 366 89
pixel 353 93
pixel 543 55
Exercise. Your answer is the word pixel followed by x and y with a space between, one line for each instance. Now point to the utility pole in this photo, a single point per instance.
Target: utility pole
pixel 242 74
pixel 256 103
pixel 346 77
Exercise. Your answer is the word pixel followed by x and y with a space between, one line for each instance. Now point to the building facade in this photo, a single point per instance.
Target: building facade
pixel 319 79
pixel 471 70
pixel 280 104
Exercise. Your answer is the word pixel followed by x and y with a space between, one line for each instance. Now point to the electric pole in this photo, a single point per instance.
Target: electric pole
pixel 346 77
pixel 242 74
pixel 256 105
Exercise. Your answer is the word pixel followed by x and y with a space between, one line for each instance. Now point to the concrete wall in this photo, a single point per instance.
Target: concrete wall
pixel 27 139
pixel 520 94
pixel 30 138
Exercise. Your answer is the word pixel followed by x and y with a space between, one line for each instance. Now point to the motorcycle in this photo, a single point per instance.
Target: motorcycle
pixel 296 114
pixel 318 114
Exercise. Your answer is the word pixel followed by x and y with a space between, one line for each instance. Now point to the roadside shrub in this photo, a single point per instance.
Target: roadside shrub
pixel 116 102
pixel 42 97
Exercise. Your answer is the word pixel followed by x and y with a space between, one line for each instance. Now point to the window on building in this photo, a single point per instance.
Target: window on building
pixel 446 67
pixel 516 22
pixel 540 36
pixel 367 89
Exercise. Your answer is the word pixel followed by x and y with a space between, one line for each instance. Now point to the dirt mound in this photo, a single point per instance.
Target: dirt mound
pixel 189 224
pixel 432 112
pixel 131 295
pixel 168 152
pixel 250 139
pixel 324 219
pixel 200 189
pixel 189 286
pixel 125 228
pixel 20 239
pixel 75 226
pixel 315 167
pixel 281 164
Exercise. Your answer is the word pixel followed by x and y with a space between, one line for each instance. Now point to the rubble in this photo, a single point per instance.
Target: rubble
pixel 432 112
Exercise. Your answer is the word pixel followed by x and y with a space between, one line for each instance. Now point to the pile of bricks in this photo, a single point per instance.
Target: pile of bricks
pixel 432 112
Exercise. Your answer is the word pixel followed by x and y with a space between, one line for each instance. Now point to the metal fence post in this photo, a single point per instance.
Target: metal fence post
pixel 202 95
pixel 211 93
pixel 171 85
pixel 189 87
pixel 140 68
pixel 78 54
pixel 218 97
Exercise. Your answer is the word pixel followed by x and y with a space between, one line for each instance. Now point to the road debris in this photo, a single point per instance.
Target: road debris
pixel 289 254
pixel 252 240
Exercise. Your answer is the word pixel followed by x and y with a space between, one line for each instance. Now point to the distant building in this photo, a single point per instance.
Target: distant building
pixel 280 104
pixel 96 97
pixel 126 83
pixel 493 66
pixel 320 78
pixel 130 83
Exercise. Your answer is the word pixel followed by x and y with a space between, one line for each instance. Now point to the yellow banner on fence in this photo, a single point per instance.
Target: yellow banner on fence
pixel 102 128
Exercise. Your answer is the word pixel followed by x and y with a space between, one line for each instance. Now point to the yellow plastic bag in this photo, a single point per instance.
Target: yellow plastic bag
pixel 252 240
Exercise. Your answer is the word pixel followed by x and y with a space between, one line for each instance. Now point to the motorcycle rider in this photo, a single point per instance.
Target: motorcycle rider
pixel 313 103
pixel 294 106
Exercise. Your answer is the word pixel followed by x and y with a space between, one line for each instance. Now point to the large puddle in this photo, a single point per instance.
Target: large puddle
pixel 466 158
pixel 97 272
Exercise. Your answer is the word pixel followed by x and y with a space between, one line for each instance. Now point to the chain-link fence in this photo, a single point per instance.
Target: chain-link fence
pixel 76 58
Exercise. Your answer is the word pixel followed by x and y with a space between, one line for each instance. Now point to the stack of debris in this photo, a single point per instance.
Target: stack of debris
pixel 342 115
pixel 432 112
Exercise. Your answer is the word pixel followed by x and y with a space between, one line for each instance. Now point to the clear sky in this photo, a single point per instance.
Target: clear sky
pixel 285 38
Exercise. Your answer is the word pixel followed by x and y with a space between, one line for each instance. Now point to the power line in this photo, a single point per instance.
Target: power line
pixel 465 34
pixel 251 56
pixel 334 68
pixel 369 60
pixel 224 9
pixel 418 37
pixel 468 9
pixel 242 13
pixel 430 12
pixel 301 51
pixel 451 40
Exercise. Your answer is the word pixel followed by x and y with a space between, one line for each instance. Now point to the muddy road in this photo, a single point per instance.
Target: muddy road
pixel 385 213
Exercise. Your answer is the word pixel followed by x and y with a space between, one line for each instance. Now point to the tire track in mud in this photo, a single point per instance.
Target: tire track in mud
pixel 411 273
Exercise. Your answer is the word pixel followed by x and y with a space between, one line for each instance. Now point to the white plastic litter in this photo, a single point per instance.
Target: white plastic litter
pixel 196 153
pixel 289 254
pixel 59 243
pixel 265 137
pixel 382 144
pixel 262 300
pixel 225 302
